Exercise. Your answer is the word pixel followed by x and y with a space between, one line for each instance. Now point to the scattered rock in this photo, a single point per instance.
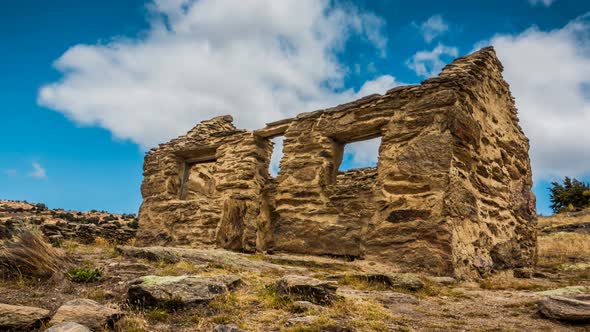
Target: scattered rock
pixel 16 317
pixel 572 309
pixel 304 320
pixel 68 327
pixel 308 289
pixel 181 291
pixel 444 281
pixel 304 306
pixel 227 328
pixel 86 312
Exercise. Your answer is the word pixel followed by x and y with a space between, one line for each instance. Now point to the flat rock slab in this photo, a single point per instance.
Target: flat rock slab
pixel 86 312
pixel 68 327
pixel 307 289
pixel 16 317
pixel 179 291
pixel 572 309
pixel 212 256
pixel 570 290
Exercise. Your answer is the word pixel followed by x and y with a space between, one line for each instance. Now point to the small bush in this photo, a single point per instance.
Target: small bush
pixel 40 207
pixel 110 217
pixel 28 254
pixel 80 274
pixel 572 195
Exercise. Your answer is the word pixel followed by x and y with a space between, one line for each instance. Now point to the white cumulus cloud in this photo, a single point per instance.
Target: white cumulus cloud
pixel 259 60
pixel 430 63
pixel 549 75
pixel 433 27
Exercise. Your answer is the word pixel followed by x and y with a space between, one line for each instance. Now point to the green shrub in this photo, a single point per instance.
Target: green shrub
pixel 572 195
pixel 81 274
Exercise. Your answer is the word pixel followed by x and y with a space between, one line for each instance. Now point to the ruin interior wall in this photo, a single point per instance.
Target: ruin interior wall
pixel 450 193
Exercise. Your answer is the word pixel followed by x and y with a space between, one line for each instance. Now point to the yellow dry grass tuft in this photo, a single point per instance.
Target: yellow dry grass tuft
pixel 134 322
pixel 29 255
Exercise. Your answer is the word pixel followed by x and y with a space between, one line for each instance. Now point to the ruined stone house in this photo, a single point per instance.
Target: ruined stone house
pixel 450 195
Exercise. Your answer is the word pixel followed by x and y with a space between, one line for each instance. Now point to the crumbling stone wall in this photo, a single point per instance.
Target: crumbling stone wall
pixel 451 193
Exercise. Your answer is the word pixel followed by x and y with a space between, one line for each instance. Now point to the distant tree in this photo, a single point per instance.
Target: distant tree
pixel 572 194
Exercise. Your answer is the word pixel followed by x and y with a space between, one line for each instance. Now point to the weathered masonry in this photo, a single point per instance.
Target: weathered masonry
pixel 451 193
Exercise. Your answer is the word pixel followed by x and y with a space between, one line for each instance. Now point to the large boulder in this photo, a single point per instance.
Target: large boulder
pixel 179 291
pixel 574 308
pixel 68 327
pixel 307 289
pixel 86 312
pixel 17 317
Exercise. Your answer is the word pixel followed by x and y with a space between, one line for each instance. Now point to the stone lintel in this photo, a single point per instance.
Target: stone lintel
pixel 274 129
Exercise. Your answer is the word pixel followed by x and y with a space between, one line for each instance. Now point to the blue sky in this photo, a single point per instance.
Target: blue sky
pixel 88 87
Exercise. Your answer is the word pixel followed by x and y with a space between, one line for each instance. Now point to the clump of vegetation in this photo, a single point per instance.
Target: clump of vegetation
pixel 134 224
pixel 572 195
pixel 40 207
pixel 134 322
pixel 157 315
pixel 28 254
pixel 82 274
pixel 110 217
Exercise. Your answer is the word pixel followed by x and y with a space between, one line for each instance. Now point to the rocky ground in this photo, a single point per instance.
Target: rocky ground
pixel 60 224
pixel 108 286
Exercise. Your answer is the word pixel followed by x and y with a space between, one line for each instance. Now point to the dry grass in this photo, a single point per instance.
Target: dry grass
pixel 562 246
pixel 29 255
pixel 564 218
pixel 504 280
pixel 364 315
pixel 180 268
pixel 133 322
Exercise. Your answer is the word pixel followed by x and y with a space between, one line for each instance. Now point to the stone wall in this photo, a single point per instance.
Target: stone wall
pixel 451 193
